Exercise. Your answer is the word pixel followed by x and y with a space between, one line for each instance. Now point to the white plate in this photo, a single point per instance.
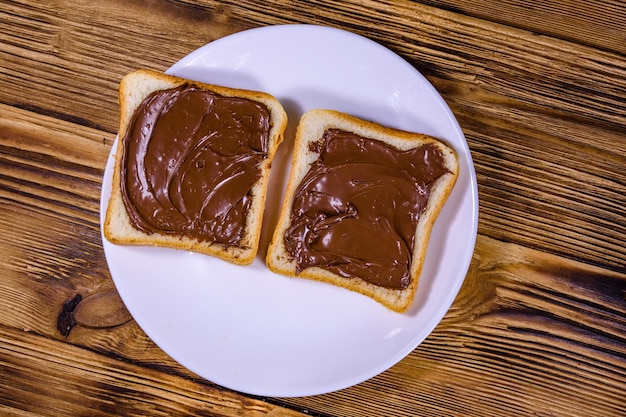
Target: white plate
pixel 256 332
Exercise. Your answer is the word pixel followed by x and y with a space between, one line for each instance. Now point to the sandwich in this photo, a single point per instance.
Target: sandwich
pixel 360 204
pixel 192 165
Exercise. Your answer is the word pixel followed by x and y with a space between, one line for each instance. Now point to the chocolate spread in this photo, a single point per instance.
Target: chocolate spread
pixel 356 211
pixel 190 159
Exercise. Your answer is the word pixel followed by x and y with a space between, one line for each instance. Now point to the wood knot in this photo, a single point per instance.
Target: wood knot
pixel 66 321
pixel 98 311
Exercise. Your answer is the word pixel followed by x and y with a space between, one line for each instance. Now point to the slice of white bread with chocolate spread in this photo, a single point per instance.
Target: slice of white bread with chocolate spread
pixel 360 203
pixel 192 165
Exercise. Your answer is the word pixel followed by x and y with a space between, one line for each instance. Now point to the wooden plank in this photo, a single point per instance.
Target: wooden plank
pixel 67 58
pixel 51 378
pixel 597 23
pixel 439 43
pixel 560 186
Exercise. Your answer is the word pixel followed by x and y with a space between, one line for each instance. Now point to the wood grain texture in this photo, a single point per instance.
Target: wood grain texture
pixel 71 64
pixel 545 118
pixel 596 23
pixel 50 378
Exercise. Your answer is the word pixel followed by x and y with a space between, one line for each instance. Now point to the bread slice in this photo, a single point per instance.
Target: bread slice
pixel 118 228
pixel 311 129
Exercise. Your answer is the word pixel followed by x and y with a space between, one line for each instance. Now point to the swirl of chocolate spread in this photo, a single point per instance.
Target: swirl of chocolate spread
pixel 356 210
pixel 190 159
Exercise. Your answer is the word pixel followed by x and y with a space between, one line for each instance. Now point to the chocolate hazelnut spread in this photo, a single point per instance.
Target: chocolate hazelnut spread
pixel 355 212
pixel 190 160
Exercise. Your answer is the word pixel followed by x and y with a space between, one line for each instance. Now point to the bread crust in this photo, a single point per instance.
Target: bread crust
pixel 310 129
pixel 118 229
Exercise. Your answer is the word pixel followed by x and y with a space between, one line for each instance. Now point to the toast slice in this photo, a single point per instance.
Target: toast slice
pixel 360 203
pixel 192 165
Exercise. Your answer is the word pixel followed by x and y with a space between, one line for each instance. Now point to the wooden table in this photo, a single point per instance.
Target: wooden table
pixel 539 326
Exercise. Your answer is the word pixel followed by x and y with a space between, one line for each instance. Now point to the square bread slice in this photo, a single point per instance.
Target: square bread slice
pixel 360 203
pixel 180 165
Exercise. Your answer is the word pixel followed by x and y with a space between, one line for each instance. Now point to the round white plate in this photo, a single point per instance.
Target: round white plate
pixel 250 330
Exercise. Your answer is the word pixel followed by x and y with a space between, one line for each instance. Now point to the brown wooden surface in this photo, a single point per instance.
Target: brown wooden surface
pixel 597 23
pixel 539 327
